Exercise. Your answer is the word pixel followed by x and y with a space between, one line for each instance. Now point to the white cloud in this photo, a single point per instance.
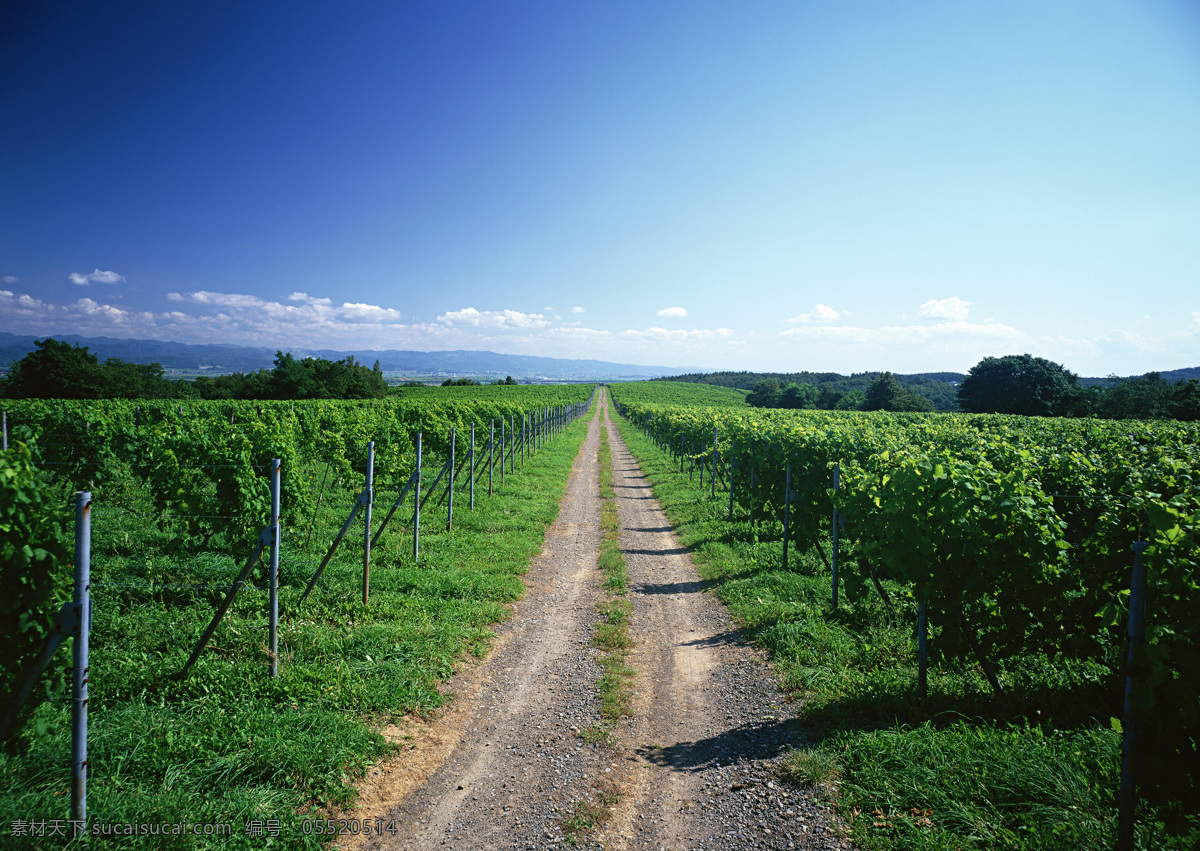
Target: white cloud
pixel 366 313
pixel 903 336
pixel 307 299
pixel 220 299
pixel 954 345
pixel 577 332
pixel 1131 341
pixel 946 308
pixel 25 314
pixel 678 334
pixel 11 279
pixel 673 312
pixel 577 310
pixel 97 276
pixel 820 313
pixel 493 318
pixel 1195 314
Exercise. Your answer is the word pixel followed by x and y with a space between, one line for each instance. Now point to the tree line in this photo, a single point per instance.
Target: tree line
pixel 885 393
pixel 1024 384
pixel 58 370
pixel 1013 384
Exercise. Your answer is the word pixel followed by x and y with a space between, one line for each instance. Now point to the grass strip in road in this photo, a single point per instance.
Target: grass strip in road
pixel 610 635
pixel 612 632
pixel 230 745
pixel 1035 768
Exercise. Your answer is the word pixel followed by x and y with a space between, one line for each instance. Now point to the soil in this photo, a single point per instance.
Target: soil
pixel 509 764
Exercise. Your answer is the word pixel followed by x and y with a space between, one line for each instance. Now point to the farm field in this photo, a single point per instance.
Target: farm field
pixel 178 499
pixel 1013 536
pixel 618 698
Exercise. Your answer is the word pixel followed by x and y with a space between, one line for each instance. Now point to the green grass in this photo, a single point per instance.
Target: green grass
pixel 230 744
pixel 963 768
pixel 611 633
pixel 584 816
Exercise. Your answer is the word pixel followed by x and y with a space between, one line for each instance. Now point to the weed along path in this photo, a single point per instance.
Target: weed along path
pixel 523 759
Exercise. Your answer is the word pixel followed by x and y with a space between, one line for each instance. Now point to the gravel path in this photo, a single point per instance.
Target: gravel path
pixel 695 768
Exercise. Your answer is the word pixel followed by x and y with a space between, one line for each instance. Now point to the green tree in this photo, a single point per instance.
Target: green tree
pixel 1185 400
pixel 798 396
pixel 852 400
pixel 828 398
pixel 1145 397
pixel 886 393
pixel 1016 384
pixel 1082 402
pixel 120 379
pixel 316 378
pixel 764 395
pixel 55 370
pixel 295 379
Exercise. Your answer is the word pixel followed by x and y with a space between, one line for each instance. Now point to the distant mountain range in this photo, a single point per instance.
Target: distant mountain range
pixel 219 358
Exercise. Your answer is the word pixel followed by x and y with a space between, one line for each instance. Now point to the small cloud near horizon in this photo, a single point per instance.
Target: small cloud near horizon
pixel 820 313
pixel 96 276
pixel 946 308
pixel 673 312
pixel 493 318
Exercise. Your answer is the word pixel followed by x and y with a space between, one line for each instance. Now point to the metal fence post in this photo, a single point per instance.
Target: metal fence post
pixel 753 493
pixel 1126 799
pixel 922 649
pixel 472 466
pixel 787 502
pixel 273 605
pixel 450 487
pixel 837 481
pixel 79 684
pixel 4 429
pixel 732 468
pixel 417 507
pixel 502 452
pixel 491 452
pixel 714 469
pixel 369 493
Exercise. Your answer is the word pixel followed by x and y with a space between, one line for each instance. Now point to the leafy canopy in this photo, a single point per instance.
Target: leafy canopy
pixel 1016 384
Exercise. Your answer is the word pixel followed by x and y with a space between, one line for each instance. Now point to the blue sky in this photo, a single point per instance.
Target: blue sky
pixel 770 186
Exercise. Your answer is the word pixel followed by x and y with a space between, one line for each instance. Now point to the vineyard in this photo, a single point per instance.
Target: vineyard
pixel 997 546
pixel 180 494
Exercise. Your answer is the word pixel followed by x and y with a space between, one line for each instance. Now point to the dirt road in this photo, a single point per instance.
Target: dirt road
pixel 505 767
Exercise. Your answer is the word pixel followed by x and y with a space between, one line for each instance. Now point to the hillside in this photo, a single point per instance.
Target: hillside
pixel 218 358
pixel 941 388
